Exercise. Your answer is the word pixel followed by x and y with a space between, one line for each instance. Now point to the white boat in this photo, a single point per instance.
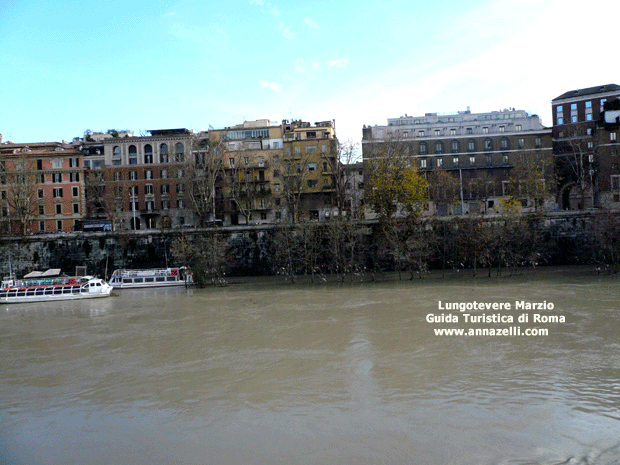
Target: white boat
pixel 156 277
pixel 15 291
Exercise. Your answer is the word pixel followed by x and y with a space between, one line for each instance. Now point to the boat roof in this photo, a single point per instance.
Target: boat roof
pixel 52 272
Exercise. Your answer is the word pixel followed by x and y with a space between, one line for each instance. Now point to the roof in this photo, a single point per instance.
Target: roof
pixel 53 272
pixel 588 91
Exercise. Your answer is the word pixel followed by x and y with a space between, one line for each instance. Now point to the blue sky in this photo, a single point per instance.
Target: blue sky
pixel 72 65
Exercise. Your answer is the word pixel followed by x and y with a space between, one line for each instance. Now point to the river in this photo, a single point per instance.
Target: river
pixel 268 373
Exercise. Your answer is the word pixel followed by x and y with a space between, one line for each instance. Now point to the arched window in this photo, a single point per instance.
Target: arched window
pixel 133 155
pixel 116 151
pixel 148 153
pixel 438 147
pixel 455 146
pixel 504 143
pixel 163 153
pixel 179 152
pixel 488 144
pixel 423 148
pixel 471 145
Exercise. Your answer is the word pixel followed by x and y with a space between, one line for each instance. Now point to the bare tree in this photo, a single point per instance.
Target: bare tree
pixel 104 197
pixel 205 176
pixel 21 194
pixel 293 173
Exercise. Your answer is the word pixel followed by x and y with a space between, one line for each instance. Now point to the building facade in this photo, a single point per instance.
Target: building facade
pixel 41 187
pixel 586 148
pixel 480 150
pixel 140 182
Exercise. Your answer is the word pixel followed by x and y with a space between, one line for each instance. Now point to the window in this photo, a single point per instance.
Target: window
pixel 472 160
pixel 57 192
pixel 148 174
pixel 133 175
pixel 41 209
pixel 488 144
pixel 75 191
pixel 180 174
pixel 453 132
pixel 502 129
pixel 74 162
pixel 59 225
pixel 471 145
pixel 180 188
pixel 538 142
pixel 58 209
pixel 423 163
pixel 455 146
pixel 603 100
pixel 56 164
pixel 163 153
pixel 312 166
pixel 39 193
pixel 150 205
pixel 163 174
pixel 180 203
pixel 311 149
pixel 518 128
pixel 76 208
pixel 485 130
pixel 133 155
pixel 164 189
pixel 505 159
pixel 504 144
pixel 521 143
pixel 118 191
pixel 39 165
pixel 179 152
pixel 57 177
pixel 313 183
pixel 148 189
pixel 165 204
pixel 148 153
pixel 261 162
pixel 118 176
pixel 455 161
pixel 437 132
pixel 470 131
pixel 324 148
pixel 423 148
pixel 297 150
pixel 615 182
pixel 439 162
pixel 231 163
pixel 612 136
pixel 438 147
pixel 420 133
pixel 489 159
pixel 276 187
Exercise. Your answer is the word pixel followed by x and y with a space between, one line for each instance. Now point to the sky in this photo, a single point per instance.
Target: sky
pixel 67 66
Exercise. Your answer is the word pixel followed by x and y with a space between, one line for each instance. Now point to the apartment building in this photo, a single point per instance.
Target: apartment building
pixel 248 189
pixel 585 145
pixel 41 187
pixel 308 169
pixel 140 182
pixel 479 149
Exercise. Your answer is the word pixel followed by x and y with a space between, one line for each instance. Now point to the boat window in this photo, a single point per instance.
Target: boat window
pixel 31 291
pixel 127 280
pixel 149 280
pixel 171 278
pixel 58 290
pixel 138 280
pixel 160 279
pixel 21 292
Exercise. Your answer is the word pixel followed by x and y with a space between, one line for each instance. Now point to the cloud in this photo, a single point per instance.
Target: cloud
pixel 270 85
pixel 275 12
pixel 286 32
pixel 315 64
pixel 257 2
pixel 299 65
pixel 311 24
pixel 341 63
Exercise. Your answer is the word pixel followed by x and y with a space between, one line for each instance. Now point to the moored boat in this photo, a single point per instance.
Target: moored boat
pixel 61 288
pixel 155 277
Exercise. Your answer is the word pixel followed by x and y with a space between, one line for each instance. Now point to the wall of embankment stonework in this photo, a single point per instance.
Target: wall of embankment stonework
pixel 250 249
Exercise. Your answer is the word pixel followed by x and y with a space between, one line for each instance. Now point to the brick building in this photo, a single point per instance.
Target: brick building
pixel 41 187
pixel 586 148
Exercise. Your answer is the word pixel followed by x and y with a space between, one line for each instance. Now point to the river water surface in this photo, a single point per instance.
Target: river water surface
pixel 259 373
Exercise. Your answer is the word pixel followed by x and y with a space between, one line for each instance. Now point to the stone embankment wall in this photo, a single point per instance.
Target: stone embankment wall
pixel 249 249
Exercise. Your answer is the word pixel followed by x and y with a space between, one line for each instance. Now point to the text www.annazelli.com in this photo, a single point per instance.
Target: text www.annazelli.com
pixel 510 331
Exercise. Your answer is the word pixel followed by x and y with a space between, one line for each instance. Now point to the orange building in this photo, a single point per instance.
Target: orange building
pixel 41 187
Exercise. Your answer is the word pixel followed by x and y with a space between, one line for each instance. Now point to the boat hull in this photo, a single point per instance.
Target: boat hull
pixel 51 298
pixel 87 288
pixel 141 279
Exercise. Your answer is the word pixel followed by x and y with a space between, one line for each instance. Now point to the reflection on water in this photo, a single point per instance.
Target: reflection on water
pixel 257 374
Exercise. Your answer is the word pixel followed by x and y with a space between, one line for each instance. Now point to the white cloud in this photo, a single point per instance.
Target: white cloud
pixel 257 2
pixel 315 64
pixel 286 32
pixel 275 12
pixel 341 63
pixel 270 85
pixel 311 24
pixel 299 65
